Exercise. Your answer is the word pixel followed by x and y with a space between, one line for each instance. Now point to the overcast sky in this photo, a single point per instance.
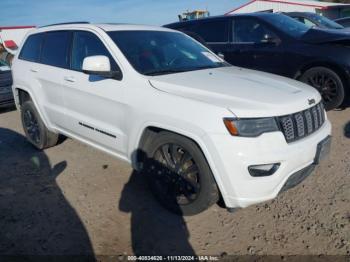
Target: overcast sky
pixel 155 12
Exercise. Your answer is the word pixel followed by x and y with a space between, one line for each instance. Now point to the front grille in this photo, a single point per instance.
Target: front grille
pixel 302 124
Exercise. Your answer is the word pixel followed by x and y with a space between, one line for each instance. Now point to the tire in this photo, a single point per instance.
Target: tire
pixel 328 83
pixel 179 175
pixel 35 129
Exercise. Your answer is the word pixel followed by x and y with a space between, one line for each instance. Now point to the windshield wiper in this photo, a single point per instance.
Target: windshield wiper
pixel 173 71
pixel 221 64
pixel 164 72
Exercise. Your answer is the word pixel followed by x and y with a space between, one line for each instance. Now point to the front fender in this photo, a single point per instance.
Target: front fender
pixel 192 132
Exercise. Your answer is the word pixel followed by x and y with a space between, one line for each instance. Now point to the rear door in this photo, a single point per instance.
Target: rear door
pixel 95 108
pixel 54 62
pixel 44 60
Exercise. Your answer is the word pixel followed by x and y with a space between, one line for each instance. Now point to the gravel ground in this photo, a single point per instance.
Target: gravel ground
pixel 73 199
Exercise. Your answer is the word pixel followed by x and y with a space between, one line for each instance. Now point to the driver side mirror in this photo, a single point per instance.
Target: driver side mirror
pixel 269 39
pixel 101 66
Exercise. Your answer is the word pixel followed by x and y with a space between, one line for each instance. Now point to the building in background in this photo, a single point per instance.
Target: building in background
pixel 330 10
pixel 12 36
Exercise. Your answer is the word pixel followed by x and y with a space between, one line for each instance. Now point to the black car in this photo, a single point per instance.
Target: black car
pixel 345 21
pixel 6 96
pixel 279 44
pixel 315 20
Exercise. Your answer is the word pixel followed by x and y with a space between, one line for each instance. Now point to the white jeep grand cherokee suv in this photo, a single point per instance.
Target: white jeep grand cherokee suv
pixel 199 128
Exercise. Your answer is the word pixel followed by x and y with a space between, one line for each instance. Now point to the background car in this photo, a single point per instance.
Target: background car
pixel 343 21
pixel 315 20
pixel 278 44
pixel 6 96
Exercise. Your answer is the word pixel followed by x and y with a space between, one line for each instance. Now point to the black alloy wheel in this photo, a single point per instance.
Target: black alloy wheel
pixel 36 131
pixel 328 83
pixel 178 174
pixel 31 126
pixel 177 178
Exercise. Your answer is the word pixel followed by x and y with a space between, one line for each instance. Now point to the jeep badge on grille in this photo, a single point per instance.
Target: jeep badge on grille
pixel 311 101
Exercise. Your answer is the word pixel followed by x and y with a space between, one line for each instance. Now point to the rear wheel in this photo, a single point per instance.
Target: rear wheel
pixel 35 129
pixel 179 175
pixel 328 83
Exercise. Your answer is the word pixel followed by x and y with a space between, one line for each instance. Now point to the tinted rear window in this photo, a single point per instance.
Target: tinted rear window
pixel 212 31
pixel 56 49
pixel 31 48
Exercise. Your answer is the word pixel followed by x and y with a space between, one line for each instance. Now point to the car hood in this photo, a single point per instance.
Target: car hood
pixel 246 93
pixel 320 36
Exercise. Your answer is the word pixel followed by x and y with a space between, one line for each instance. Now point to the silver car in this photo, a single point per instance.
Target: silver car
pixel 6 96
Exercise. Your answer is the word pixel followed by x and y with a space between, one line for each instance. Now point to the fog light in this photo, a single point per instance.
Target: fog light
pixel 263 170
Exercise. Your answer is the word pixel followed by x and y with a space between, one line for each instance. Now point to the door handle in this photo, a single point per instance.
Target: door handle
pixel 69 79
pixel 34 70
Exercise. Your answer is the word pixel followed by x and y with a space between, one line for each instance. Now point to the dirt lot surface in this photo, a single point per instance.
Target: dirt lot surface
pixel 73 199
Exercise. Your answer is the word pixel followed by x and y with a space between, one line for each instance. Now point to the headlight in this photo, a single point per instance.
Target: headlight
pixel 250 127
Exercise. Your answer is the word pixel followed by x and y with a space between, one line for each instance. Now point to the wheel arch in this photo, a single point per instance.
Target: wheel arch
pixel 22 95
pixel 343 74
pixel 149 132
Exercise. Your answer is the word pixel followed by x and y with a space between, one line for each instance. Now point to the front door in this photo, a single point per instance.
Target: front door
pixel 94 105
pixel 257 47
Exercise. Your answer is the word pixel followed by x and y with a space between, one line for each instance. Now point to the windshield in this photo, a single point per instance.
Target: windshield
pixel 326 22
pixel 161 52
pixel 286 24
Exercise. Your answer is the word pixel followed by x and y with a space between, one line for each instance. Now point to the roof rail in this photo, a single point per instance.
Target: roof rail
pixel 66 23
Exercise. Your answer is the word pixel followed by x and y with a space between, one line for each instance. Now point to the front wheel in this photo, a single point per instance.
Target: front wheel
pixel 328 83
pixel 179 175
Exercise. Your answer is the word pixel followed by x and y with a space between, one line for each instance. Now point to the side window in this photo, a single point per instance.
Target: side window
pixel 248 30
pixel 309 23
pixel 344 12
pixel 31 48
pixel 299 19
pixel 87 44
pixel 56 49
pixel 212 31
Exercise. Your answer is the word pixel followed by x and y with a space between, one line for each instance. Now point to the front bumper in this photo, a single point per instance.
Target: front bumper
pixel 230 158
pixel 298 177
